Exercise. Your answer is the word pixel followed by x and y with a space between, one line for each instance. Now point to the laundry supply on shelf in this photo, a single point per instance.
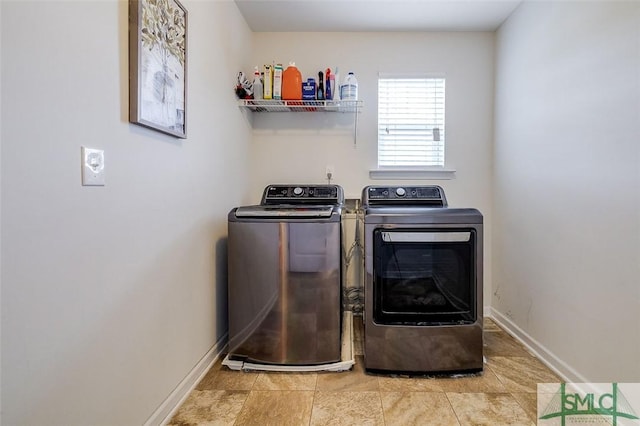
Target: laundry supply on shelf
pixel 336 84
pixel 277 81
pixel 349 89
pixel 328 90
pixel 320 89
pixel 291 83
pixel 309 89
pixel 268 81
pixel 243 87
pixel 257 88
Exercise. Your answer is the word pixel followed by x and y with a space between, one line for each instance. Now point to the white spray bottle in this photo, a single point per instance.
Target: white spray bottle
pixel 257 84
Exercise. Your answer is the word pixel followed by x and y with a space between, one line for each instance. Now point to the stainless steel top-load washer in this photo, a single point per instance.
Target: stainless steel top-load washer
pixel 423 282
pixel 285 277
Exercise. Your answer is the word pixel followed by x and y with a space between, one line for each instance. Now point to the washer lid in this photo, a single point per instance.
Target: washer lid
pixel 285 211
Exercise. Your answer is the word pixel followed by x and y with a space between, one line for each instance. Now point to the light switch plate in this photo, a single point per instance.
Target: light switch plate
pixel 92 167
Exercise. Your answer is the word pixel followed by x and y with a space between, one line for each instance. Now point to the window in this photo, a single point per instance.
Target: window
pixel 411 122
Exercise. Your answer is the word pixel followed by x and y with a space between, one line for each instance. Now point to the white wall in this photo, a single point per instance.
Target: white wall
pixel 567 184
pixel 111 295
pixel 297 147
pixel 0 221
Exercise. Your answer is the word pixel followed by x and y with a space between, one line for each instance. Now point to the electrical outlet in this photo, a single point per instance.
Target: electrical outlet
pixel 330 172
pixel 92 167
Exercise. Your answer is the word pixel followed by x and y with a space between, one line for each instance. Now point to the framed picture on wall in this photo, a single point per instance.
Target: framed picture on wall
pixel 158 65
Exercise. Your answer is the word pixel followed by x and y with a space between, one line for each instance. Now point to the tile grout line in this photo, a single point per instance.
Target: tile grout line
pixel 452 409
pixel 384 419
pixel 313 400
pixel 535 420
pixel 247 398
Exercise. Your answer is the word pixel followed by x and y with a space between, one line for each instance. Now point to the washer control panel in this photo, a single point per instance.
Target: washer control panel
pixel 432 195
pixel 303 194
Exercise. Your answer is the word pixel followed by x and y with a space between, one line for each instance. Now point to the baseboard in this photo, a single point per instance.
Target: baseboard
pixel 557 365
pixel 486 311
pixel 169 406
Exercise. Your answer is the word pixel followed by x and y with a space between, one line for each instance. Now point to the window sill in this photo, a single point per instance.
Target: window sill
pixel 413 174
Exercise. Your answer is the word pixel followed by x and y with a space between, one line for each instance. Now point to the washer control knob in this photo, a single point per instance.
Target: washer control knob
pixel 297 191
pixel 400 192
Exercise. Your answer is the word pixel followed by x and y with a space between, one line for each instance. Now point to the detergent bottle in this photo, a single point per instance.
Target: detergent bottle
pixel 328 88
pixel 349 89
pixel 291 83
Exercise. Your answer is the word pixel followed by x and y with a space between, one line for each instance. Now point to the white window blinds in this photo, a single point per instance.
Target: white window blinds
pixel 411 122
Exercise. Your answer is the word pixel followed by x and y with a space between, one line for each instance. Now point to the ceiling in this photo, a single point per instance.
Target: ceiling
pixel 375 15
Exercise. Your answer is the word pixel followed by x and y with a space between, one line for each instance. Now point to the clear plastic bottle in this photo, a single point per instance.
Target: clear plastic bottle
pixel 349 89
pixel 336 85
pixel 257 84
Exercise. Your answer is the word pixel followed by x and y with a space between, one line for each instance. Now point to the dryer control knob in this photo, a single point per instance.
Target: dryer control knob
pixel 297 191
pixel 400 192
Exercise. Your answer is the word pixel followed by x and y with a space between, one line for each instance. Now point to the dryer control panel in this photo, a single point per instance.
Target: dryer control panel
pixel 431 195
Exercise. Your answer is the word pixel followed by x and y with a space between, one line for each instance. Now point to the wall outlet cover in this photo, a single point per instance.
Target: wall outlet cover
pixel 92 167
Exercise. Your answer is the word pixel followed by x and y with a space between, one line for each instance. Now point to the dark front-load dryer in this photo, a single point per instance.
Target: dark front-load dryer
pixel 423 282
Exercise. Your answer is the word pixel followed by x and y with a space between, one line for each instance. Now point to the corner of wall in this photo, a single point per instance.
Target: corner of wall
pixel 168 408
pixel 1 50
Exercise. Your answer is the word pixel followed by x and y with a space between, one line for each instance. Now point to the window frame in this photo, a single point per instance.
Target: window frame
pixel 410 172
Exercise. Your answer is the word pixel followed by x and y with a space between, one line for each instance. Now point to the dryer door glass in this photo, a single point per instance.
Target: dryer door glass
pixel 424 276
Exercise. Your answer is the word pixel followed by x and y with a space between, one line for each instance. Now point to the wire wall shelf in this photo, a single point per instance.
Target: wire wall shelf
pixel 272 105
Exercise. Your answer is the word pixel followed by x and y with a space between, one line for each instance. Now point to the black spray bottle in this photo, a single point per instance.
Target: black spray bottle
pixel 320 89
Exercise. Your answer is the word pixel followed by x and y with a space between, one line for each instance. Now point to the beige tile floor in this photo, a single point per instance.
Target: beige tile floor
pixel 505 394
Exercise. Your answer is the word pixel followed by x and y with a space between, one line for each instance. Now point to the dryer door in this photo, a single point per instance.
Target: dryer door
pixel 424 276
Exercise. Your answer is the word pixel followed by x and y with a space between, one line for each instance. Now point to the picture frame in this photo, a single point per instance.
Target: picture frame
pixel 158 65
